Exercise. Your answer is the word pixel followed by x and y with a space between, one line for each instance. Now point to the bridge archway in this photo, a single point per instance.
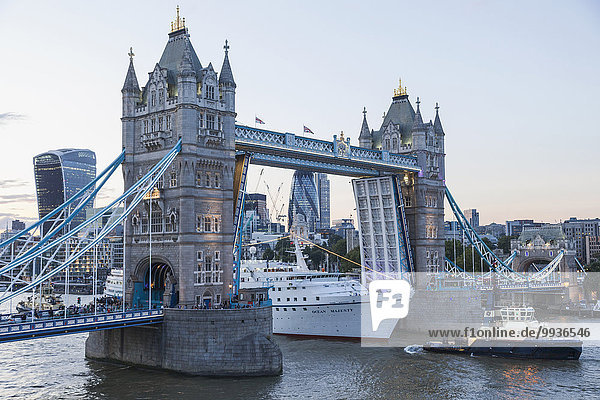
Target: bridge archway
pixel 156 282
pixel 533 264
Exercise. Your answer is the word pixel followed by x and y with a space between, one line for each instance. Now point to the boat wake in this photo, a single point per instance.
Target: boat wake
pixel 413 349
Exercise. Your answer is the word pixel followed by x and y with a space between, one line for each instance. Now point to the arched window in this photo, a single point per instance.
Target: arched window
pixel 135 222
pixel 217 183
pixel 207 180
pixel 395 144
pixel 156 219
pixel 217 224
pixel 210 92
pixel 207 224
pixel 171 222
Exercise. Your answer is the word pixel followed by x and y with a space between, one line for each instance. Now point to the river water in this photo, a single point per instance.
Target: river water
pixel 55 368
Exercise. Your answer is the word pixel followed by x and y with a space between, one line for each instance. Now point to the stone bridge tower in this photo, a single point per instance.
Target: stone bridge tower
pixel 191 221
pixel 404 132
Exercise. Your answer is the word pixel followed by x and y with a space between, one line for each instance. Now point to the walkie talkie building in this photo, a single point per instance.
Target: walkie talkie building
pixel 59 174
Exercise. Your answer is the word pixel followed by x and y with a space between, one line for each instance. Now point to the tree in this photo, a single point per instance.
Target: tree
pixel 353 255
pixel 283 250
pixel 504 243
pixel 333 239
pixel 315 256
pixel 489 243
pixel 268 254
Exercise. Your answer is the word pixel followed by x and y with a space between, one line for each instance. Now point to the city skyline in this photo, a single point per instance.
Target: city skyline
pixel 503 134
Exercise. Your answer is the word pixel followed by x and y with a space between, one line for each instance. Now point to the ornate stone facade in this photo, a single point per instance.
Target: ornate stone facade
pixel 191 222
pixel 404 132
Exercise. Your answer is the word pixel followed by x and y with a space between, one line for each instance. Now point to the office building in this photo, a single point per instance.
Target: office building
pixel 304 201
pixel 577 230
pixel 323 187
pixel 60 174
pixel 473 217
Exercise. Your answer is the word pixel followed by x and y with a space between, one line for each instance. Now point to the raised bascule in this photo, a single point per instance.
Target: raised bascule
pixel 185 164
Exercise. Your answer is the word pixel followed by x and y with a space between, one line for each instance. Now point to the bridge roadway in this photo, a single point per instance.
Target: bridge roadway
pixel 338 157
pixel 39 328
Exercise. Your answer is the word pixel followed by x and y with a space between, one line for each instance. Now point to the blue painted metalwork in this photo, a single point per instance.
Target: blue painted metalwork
pixel 149 180
pixel 337 157
pixel 406 262
pixel 580 266
pixel 108 170
pixel 238 223
pixel 483 250
pixel 102 179
pixel 167 159
pixel 85 323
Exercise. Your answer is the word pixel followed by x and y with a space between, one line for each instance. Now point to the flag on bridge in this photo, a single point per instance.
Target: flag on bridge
pixel 258 121
pixel 307 130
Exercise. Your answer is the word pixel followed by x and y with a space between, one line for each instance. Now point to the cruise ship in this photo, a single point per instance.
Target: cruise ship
pixel 314 303
pixel 114 283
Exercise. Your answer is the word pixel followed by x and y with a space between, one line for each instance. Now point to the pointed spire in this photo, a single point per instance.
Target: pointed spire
pixel 226 76
pixel 185 66
pixel 365 139
pixel 131 82
pixel 437 124
pixel 418 120
pixel 364 130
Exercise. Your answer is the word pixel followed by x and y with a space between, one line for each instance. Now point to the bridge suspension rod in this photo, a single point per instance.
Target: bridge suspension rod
pixel 145 185
pixel 108 170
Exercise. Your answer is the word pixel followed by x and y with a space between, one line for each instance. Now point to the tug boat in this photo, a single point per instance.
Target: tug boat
pixel 510 318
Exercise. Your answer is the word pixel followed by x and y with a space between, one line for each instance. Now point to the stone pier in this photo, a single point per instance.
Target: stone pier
pixel 197 342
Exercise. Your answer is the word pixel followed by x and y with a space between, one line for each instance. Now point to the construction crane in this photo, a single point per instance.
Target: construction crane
pixel 259 178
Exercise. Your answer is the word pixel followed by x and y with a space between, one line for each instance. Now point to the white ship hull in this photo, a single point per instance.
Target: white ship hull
pixel 312 303
pixel 343 320
pixel 114 283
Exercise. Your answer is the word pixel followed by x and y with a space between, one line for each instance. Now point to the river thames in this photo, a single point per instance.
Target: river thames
pixel 55 368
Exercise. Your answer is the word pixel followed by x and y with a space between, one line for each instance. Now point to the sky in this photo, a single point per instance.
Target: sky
pixel 517 84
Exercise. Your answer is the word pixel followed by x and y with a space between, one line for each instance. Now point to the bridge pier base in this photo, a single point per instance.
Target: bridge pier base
pixel 196 342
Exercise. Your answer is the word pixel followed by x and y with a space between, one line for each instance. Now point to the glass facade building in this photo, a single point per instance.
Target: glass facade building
pixel 304 201
pixel 324 201
pixel 59 174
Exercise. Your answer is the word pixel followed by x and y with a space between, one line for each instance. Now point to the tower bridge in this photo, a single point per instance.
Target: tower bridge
pixel 338 157
pixel 185 164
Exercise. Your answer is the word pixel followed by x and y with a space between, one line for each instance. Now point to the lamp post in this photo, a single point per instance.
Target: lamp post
pixel 230 294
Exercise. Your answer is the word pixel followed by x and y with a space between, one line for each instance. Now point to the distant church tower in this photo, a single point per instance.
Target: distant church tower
pixel 404 132
pixel 192 211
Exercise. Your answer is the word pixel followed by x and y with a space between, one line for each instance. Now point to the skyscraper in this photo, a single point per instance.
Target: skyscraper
pixel 304 201
pixel 324 201
pixel 60 174
pixel 472 215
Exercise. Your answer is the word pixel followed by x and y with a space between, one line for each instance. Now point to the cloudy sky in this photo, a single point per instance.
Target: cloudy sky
pixel 517 83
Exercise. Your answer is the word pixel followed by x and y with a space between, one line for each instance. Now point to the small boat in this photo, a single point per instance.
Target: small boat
pixel 44 305
pixel 517 319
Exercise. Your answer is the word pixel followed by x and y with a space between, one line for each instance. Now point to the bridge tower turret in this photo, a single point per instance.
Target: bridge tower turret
pixel 227 92
pixel 365 139
pixel 425 208
pixel 190 214
pixel 130 97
